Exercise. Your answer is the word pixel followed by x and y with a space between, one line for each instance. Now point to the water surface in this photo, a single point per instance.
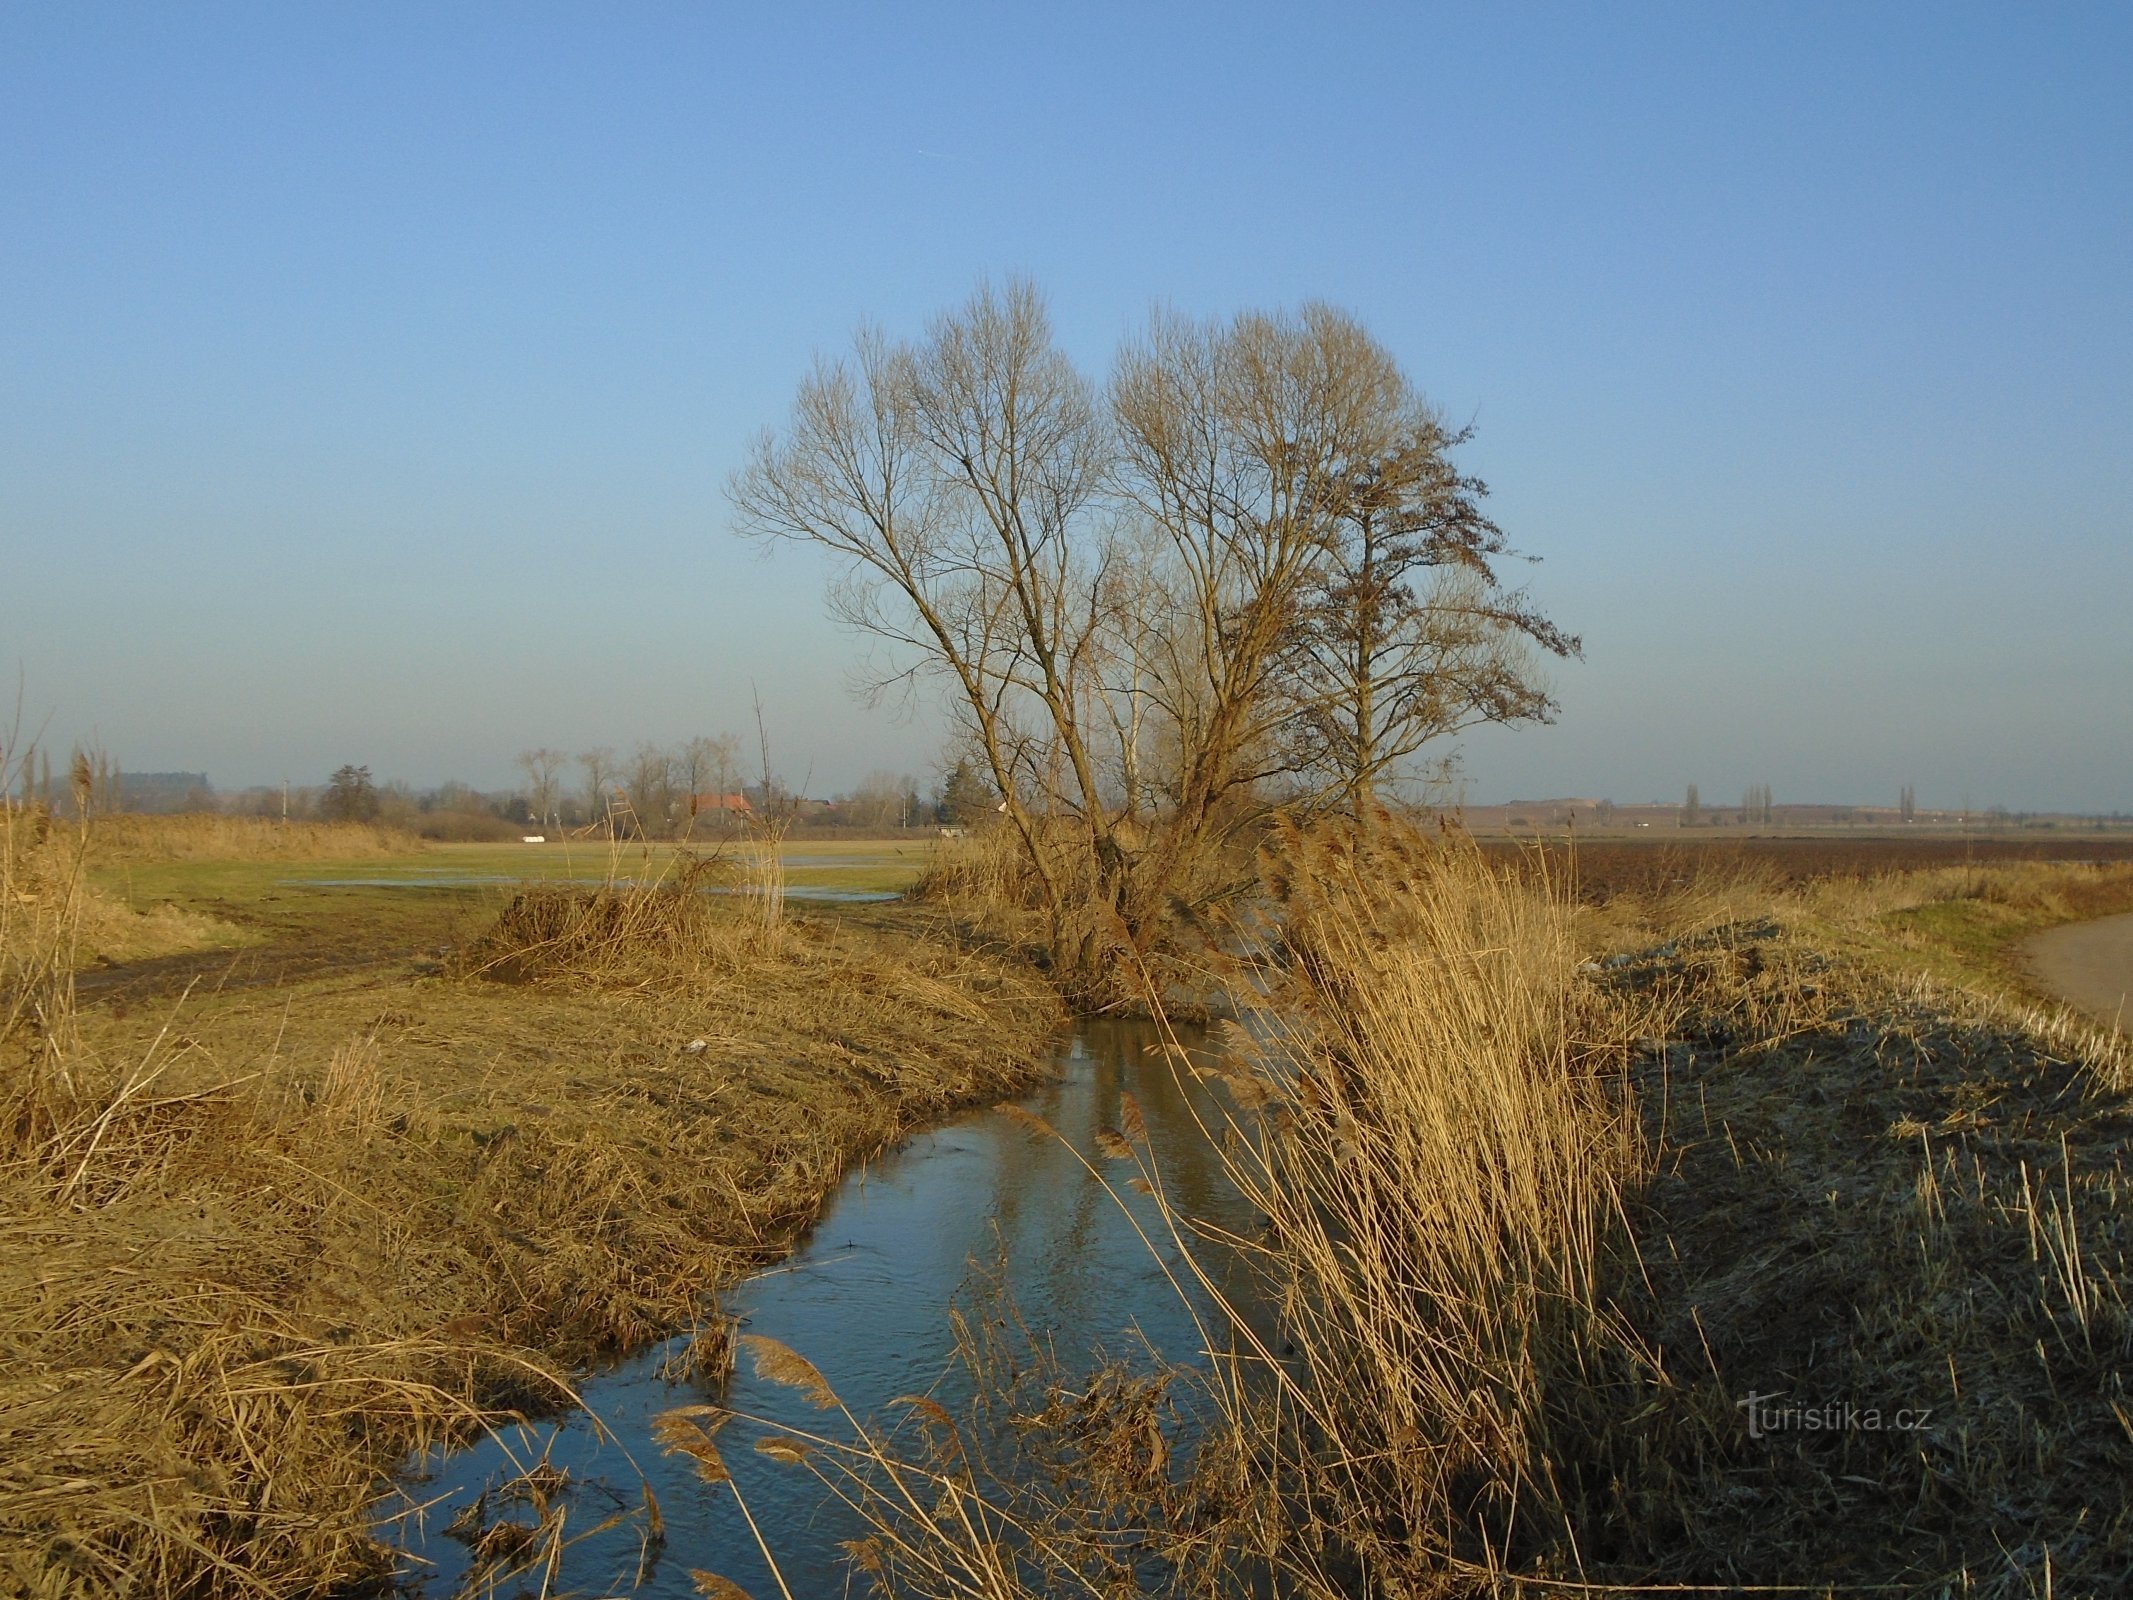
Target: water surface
pixel 865 1299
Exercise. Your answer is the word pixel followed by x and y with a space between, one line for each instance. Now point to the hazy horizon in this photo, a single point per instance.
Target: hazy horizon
pixel 372 376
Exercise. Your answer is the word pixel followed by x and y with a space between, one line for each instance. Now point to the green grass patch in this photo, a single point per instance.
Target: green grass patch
pixel 444 894
pixel 1975 938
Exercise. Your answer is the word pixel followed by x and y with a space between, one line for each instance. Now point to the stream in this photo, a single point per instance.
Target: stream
pixel 865 1298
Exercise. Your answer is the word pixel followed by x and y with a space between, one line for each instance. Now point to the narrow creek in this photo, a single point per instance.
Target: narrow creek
pixel 866 1298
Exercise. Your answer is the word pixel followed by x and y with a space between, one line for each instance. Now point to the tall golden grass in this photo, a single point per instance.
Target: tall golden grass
pixel 1535 1224
pixel 42 897
pixel 254 1257
pixel 987 880
pixel 54 917
pixel 122 837
pixel 651 919
pixel 975 870
pixel 1444 1152
pixel 172 1421
pixel 1431 1115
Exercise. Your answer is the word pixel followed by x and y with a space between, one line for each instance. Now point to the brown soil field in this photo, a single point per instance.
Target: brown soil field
pixel 1603 868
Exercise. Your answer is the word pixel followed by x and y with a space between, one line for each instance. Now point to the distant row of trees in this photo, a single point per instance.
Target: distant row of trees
pixel 90 781
pixel 1758 805
pixel 656 790
pixel 703 788
pixel 693 788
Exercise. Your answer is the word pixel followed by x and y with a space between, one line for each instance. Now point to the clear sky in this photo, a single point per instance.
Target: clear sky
pixel 370 374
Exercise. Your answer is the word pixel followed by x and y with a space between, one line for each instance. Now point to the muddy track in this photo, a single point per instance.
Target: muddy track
pixel 224 971
pixel 2089 965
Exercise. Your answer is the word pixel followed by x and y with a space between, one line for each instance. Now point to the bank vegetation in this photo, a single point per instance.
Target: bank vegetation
pixel 257 1246
pixel 1717 1238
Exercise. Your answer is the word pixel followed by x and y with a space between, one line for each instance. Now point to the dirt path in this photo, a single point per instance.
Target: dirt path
pixel 226 971
pixel 2089 965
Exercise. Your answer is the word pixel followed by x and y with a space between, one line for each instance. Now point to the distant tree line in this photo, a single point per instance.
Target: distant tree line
pixel 706 788
pixel 696 788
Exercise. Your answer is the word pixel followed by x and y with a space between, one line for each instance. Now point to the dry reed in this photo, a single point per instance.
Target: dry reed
pixel 123 837
pixel 1441 1157
pixel 255 1251
pixel 651 919
pixel 1540 1227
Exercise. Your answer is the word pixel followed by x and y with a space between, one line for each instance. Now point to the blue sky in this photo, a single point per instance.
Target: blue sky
pixel 370 374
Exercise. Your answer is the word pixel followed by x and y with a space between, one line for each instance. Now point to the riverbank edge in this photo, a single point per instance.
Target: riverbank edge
pixel 381 1211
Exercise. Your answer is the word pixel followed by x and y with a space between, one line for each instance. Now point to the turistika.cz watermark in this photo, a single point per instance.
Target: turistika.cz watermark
pixel 1766 1415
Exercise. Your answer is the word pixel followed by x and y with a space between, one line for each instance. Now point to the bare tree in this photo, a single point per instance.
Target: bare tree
pixel 649 782
pixel 599 767
pixel 955 479
pixel 705 766
pixel 1290 482
pixel 1124 657
pixel 544 777
pixel 1115 595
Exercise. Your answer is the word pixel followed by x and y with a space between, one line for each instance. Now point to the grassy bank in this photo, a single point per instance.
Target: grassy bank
pixel 1578 1206
pixel 1845 1303
pixel 1721 1235
pixel 263 1239
pixel 1960 926
pixel 121 838
pixel 1882 1264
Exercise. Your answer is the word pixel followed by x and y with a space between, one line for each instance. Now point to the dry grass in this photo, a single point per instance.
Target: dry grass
pixel 656 924
pixel 1877 1192
pixel 974 871
pixel 1442 1154
pixel 193 1401
pixel 1960 923
pixel 41 901
pixel 1846 1184
pixel 1539 1227
pixel 258 1248
pixel 205 836
pixel 1550 1191
pixel 48 908
pixel 986 882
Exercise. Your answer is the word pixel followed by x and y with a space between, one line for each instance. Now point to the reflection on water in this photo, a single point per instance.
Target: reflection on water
pixel 866 1301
